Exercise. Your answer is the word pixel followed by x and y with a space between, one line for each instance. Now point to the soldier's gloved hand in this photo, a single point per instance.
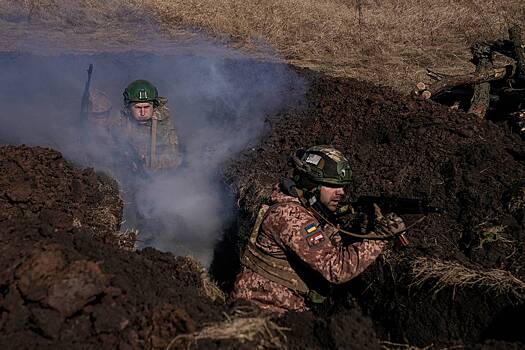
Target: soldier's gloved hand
pixel 389 224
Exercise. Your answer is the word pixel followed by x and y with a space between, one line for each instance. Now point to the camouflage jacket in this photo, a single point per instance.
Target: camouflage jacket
pixel 290 231
pixel 135 138
pixel 129 141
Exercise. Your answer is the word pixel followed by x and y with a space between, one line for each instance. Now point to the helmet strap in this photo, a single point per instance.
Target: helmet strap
pixel 311 199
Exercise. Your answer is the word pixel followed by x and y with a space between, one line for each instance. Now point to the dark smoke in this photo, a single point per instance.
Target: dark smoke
pixel 218 102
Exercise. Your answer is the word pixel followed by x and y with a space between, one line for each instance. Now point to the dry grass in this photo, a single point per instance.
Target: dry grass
pixel 492 233
pixel 72 13
pixel 386 345
pixel 127 239
pixel 210 288
pixel 384 41
pixel 389 41
pixel 444 274
pixel 261 330
pixel 52 27
pixel 252 192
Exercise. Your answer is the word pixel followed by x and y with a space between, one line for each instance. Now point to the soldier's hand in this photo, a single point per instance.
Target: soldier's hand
pixel 389 224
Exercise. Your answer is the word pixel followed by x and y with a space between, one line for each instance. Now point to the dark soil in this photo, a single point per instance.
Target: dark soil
pixel 344 328
pixel 398 146
pixel 64 284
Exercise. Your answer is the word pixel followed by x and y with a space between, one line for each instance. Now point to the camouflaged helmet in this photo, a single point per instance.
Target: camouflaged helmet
pixel 323 165
pixel 141 91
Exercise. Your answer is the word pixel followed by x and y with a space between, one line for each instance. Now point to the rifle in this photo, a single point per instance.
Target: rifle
pixel 391 204
pixel 388 204
pixel 84 104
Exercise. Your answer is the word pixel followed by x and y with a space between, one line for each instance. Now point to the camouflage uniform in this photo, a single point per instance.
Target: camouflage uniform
pixel 290 232
pixel 131 138
pixel 137 138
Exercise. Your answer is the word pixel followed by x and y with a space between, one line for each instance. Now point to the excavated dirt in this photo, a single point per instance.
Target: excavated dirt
pixel 66 284
pixel 461 280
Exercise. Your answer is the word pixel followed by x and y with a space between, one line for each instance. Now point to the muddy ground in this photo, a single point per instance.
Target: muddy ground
pixel 462 277
pixel 67 284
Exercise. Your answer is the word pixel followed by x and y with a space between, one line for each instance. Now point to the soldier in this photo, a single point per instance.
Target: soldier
pixel 143 134
pixel 146 126
pixel 140 140
pixel 296 252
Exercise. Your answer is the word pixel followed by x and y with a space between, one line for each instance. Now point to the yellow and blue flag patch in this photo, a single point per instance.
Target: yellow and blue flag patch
pixel 314 235
pixel 311 228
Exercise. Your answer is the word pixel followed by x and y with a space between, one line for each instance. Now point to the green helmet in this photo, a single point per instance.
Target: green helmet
pixel 322 165
pixel 141 91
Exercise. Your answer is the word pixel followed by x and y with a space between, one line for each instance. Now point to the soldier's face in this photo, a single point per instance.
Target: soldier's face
pixel 142 111
pixel 331 196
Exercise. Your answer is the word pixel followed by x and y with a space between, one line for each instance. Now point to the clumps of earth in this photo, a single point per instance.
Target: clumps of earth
pixel 71 279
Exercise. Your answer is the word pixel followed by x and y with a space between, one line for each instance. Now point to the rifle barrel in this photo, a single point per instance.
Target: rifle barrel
pixel 398 205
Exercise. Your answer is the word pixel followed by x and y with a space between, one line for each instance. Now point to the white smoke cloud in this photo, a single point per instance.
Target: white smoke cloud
pixel 218 102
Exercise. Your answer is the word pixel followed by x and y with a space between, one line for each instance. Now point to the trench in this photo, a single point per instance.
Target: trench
pixel 239 117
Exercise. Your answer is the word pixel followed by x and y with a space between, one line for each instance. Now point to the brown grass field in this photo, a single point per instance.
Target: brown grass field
pixel 390 42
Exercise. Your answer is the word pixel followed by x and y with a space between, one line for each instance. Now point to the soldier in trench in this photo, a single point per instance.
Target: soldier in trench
pixel 143 135
pixel 136 143
pixel 296 252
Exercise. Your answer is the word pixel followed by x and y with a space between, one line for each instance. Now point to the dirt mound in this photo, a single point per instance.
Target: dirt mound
pixel 344 328
pixel 464 271
pixel 41 190
pixel 63 285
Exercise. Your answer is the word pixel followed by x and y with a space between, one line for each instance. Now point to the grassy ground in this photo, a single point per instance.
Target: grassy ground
pixel 385 41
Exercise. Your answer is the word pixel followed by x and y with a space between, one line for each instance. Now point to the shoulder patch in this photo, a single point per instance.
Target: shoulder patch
pixel 313 234
pixel 311 228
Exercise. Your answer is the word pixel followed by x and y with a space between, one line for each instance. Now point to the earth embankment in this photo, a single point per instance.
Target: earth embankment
pixel 463 273
pixel 67 283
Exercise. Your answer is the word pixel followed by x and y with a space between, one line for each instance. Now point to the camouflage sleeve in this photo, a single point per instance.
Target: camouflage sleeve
pixel 300 234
